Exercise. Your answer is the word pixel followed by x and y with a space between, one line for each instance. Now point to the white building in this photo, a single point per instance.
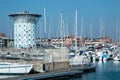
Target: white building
pixel 24 29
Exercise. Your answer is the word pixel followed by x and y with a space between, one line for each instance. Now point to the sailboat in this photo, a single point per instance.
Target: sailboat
pixel 78 59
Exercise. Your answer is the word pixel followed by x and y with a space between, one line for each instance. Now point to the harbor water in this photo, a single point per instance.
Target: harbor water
pixel 109 70
pixel 104 71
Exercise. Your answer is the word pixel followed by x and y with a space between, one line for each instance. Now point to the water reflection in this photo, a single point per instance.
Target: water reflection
pixel 104 71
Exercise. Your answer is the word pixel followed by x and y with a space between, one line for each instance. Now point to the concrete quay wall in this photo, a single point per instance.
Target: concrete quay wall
pixel 56 66
pixel 54 59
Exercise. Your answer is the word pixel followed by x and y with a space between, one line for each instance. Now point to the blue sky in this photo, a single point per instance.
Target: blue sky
pixel 90 10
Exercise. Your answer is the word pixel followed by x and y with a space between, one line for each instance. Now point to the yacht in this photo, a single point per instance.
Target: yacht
pixel 117 58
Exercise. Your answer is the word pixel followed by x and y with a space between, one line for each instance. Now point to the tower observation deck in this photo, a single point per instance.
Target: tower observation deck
pixel 24 29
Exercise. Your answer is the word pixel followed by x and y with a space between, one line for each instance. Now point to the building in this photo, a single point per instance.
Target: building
pixel 24 29
pixel 69 41
pixel 2 35
pixel 58 42
pixel 98 41
pixel 3 40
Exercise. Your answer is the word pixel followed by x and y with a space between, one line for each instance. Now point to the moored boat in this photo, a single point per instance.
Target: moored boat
pixel 15 68
pixel 117 58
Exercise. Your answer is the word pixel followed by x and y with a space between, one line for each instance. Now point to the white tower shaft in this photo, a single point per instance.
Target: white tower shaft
pixel 24 30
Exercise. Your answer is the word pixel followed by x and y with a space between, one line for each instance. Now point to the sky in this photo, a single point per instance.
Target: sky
pixel 95 13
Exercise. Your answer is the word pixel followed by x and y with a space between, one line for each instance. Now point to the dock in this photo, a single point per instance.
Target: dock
pixel 84 69
pixel 56 74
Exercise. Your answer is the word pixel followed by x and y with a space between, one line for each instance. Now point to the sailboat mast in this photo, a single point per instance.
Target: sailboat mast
pixel 81 32
pixel 102 31
pixel 61 28
pixel 44 58
pixel 45 19
pixel 117 31
pixel 91 30
pixel 66 29
pixel 76 30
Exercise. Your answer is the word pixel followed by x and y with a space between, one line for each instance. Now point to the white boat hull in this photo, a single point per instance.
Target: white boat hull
pixel 116 59
pixel 15 68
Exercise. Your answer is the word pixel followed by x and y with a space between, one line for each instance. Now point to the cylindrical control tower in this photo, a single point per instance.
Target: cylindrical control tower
pixel 24 29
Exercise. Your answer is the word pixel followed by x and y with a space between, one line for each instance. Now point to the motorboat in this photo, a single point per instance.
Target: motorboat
pixel 79 60
pixel 117 58
pixel 15 68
